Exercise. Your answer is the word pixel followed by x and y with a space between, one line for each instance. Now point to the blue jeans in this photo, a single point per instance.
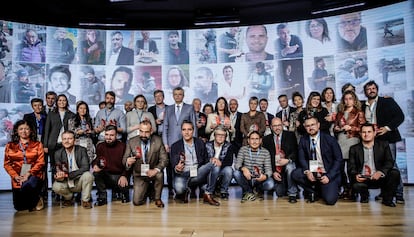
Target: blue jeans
pixel 400 187
pixel 227 174
pixel 248 185
pixel 287 182
pixel 207 173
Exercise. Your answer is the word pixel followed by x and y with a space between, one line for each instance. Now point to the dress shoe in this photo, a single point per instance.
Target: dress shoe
pixel 78 198
pixel 208 198
pixel 292 199
pixel 125 198
pixel 389 204
pixel 87 205
pixel 159 203
pixel 311 197
pixel 184 198
pixel 67 203
pixel 364 199
pixel 378 197
pixel 39 206
pixel 101 202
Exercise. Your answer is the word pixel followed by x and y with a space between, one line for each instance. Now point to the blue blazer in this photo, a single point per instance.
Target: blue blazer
pixel 172 128
pixel 331 154
pixel 178 147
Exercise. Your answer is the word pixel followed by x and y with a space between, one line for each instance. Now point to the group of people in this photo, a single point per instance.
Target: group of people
pixel 329 149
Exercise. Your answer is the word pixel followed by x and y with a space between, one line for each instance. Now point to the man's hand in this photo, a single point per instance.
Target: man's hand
pixel 123 181
pixel 277 176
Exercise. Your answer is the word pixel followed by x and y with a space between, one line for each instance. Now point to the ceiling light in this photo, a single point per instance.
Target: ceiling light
pixel 338 8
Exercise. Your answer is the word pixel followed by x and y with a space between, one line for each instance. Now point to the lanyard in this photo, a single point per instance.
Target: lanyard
pixel 139 117
pixel 107 115
pixel 23 149
pixel 70 159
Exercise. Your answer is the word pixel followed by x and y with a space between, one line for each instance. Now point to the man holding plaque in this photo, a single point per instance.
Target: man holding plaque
pixel 371 166
pixel 319 164
pixel 108 170
pixel 192 166
pixel 145 155
pixel 72 171
pixel 283 149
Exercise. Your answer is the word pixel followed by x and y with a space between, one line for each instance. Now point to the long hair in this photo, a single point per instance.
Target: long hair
pixel 56 102
pixel 357 102
pixel 15 136
pixel 226 106
pixel 309 106
pixel 87 115
pixel 325 32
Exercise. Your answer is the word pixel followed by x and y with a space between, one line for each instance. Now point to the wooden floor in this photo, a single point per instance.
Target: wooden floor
pixel 270 217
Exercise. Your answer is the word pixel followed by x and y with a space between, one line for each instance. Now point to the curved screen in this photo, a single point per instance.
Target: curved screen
pixel 235 62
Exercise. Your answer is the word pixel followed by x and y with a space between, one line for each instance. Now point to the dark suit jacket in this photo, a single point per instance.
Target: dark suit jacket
pixel 125 57
pixel 32 121
pixel 289 146
pixel 157 157
pixel 152 46
pixel 389 114
pixel 178 147
pixel 52 128
pixel 331 155
pixel 172 128
pixel 382 158
pixel 291 110
pixel 81 157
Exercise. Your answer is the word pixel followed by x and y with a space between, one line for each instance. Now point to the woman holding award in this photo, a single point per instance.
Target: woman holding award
pixel 24 162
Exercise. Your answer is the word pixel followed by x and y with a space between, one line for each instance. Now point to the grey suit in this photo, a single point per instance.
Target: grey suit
pixel 172 127
pixel 157 158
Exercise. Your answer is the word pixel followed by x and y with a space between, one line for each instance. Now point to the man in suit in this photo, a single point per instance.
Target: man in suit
pixel 158 111
pixel 319 162
pixel 147 164
pixel 146 45
pixel 371 165
pixel 263 105
pixel 283 149
pixel 50 98
pixel 284 111
pixel 73 174
pixel 119 54
pixel 173 118
pixel 108 169
pixel 192 166
pixel 387 116
pixel 236 138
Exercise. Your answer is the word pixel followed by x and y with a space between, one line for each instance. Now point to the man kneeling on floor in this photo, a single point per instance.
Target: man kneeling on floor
pixel 72 171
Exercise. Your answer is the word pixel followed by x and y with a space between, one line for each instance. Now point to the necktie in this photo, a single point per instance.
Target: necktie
pixel 313 149
pixel 278 168
pixel 177 112
pixel 145 152
pixel 284 115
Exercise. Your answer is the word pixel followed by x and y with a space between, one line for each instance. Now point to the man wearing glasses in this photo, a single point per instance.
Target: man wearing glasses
pixel 352 36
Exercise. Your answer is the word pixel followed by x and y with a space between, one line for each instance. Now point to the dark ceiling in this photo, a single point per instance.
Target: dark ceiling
pixel 166 14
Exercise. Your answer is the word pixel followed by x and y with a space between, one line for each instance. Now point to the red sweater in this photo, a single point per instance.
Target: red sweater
pixel 113 156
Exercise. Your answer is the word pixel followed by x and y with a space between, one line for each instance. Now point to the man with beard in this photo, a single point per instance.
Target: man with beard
pixel 351 35
pixel 110 116
pixel 146 157
pixel 319 163
pixel 108 169
pixel 92 88
pixel 387 116
pixel 121 81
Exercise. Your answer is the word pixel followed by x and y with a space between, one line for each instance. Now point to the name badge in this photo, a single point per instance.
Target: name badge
pixel 277 158
pixel 313 166
pixel 144 169
pixel 71 183
pixel 193 171
pixel 25 169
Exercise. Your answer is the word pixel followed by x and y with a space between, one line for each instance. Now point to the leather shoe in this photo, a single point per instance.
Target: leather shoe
pixel 292 199
pixel 101 202
pixel 389 204
pixel 311 197
pixel 87 205
pixel 364 199
pixel 208 198
pixel 159 203
pixel 185 198
pixel 125 197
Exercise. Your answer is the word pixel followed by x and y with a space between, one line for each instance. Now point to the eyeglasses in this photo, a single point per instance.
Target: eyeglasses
pixel 353 22
pixel 317 25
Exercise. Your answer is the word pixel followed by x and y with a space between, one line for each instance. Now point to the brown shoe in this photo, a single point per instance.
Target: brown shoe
pixel 87 205
pixel 40 204
pixel 67 203
pixel 208 198
pixel 159 203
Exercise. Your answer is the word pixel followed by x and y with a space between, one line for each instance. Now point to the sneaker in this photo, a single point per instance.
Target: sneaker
pixel 101 202
pixel 248 197
pixel 224 196
pixel 399 200
pixel 40 204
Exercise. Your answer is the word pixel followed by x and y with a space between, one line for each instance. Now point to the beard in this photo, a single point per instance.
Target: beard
pixel 110 143
pixel 109 105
